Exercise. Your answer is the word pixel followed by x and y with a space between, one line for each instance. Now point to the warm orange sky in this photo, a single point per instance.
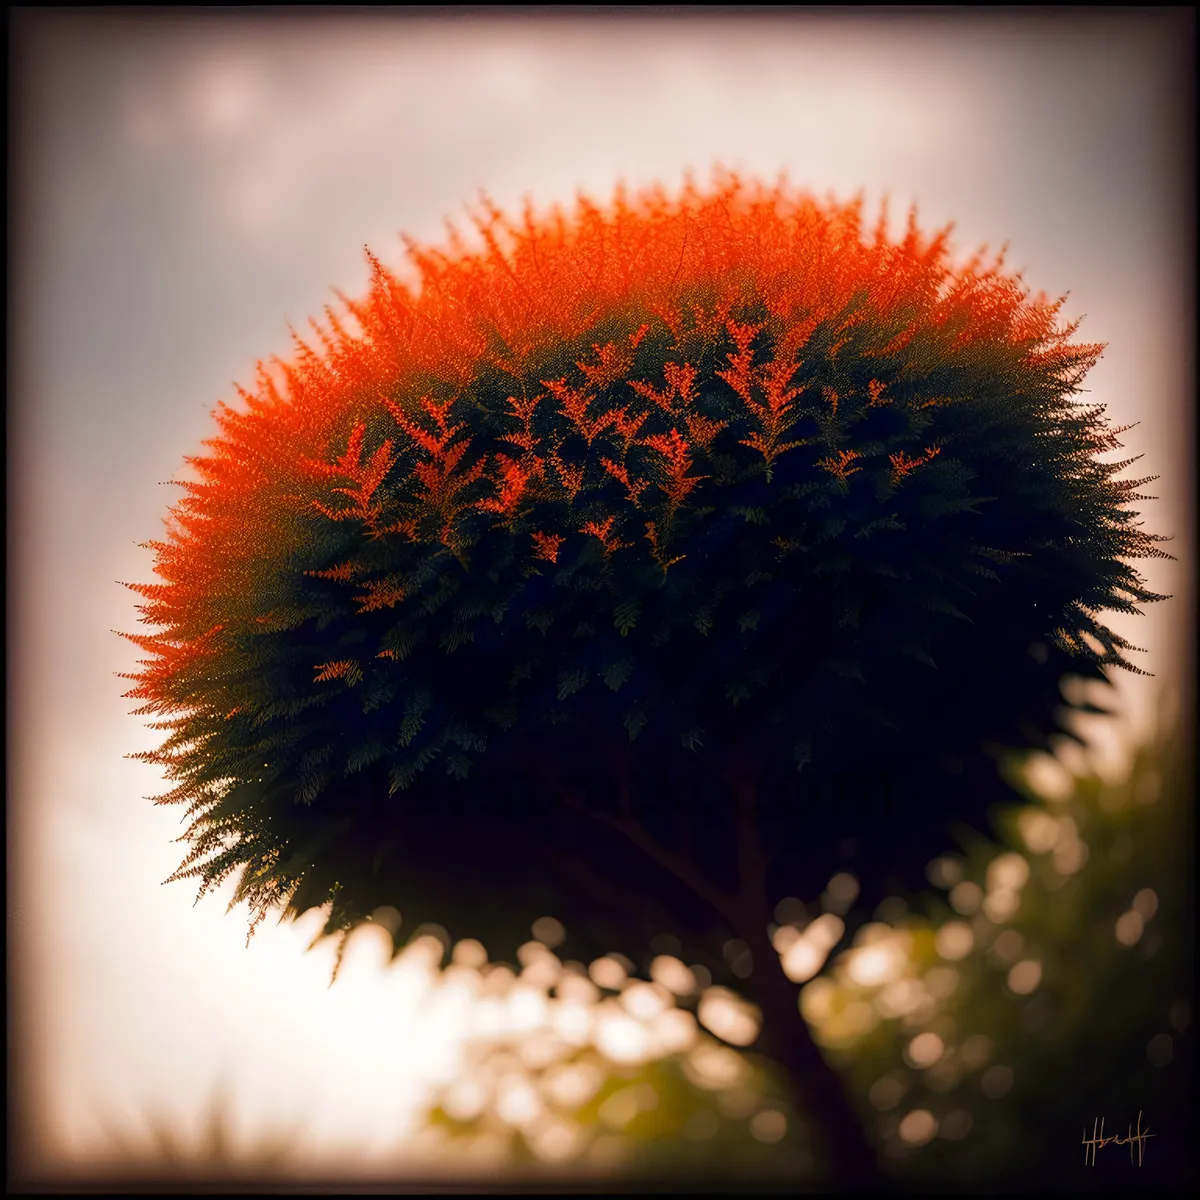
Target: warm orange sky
pixel 187 185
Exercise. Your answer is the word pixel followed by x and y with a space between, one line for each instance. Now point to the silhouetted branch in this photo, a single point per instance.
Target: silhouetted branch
pixel 752 860
pixel 682 867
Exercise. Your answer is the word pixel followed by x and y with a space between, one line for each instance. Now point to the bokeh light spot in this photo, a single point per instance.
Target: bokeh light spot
pixel 840 893
pixel 941 982
pixel 956 1124
pixel 1039 830
pixel 817 1000
pixel 954 940
pixel 899 998
pixel 517 1101
pixel 966 897
pixel 1070 855
pixel 918 1127
pixel 465 1100
pixel 768 1126
pixel 576 988
pixel 1009 871
pixel 1001 904
pixel 673 975
pixel 388 917
pixel 556 1140
pixel 1160 1050
pixel 803 960
pixel 1025 976
pixel 644 1001
pixel 729 1016
pixel 944 872
pixel 924 1050
pixel 871 966
pixel 1048 777
pixel 785 937
pixel 1130 928
pixel 470 953
pixel 622 1106
pixel 608 973
pixel 887 1092
pixel 711 1066
pixel 674 1030
pixel 996 1081
pixel 976 1050
pixel 1008 946
pixel 549 931
pixel 621 1038
pixel 571 1085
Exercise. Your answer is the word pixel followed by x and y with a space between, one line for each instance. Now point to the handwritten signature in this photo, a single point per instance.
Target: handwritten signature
pixel 1097 1140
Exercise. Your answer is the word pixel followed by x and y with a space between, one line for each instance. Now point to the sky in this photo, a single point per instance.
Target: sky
pixel 186 185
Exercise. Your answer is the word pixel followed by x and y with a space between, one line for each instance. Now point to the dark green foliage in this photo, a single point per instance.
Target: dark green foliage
pixel 876 543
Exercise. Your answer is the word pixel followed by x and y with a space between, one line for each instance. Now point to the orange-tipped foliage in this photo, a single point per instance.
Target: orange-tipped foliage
pixel 729 437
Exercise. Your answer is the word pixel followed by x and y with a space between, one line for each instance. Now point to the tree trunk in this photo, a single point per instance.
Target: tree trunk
pixel 838 1130
pixel 840 1140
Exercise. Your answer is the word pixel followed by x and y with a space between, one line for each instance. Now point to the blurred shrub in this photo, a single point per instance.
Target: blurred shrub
pixel 1044 985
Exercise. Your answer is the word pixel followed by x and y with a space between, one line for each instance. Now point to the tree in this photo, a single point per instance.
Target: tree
pixel 633 567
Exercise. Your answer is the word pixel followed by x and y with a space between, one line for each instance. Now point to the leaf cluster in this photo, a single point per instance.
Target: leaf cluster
pixel 612 507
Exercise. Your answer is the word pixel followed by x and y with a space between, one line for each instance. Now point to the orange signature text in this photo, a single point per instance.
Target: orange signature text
pixel 1098 1140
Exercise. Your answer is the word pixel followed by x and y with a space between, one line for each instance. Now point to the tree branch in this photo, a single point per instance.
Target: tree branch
pixel 601 889
pixel 624 785
pixel 752 860
pixel 682 867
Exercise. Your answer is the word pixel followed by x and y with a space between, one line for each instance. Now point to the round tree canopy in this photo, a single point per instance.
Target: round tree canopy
pixel 605 512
